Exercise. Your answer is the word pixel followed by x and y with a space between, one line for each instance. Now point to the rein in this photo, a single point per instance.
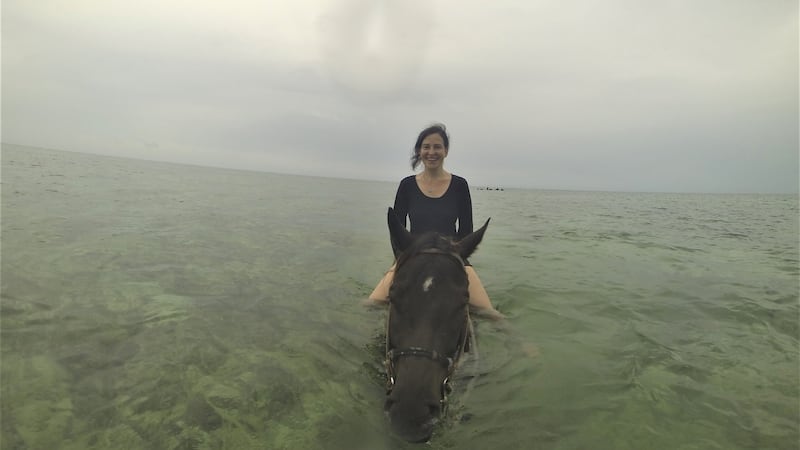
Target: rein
pixel 449 362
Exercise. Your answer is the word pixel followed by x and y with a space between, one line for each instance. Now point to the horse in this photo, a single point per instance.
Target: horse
pixel 427 328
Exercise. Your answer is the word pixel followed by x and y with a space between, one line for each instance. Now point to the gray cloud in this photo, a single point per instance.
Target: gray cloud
pixel 620 95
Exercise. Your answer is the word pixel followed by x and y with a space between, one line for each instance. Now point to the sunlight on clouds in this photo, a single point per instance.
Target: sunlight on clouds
pixel 372 47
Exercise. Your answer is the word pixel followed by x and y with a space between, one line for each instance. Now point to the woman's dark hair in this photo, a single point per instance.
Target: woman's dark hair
pixel 438 128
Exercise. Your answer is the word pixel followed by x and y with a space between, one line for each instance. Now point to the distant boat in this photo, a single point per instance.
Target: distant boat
pixel 488 188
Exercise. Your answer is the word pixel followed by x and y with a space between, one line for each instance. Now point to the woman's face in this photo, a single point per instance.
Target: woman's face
pixel 432 151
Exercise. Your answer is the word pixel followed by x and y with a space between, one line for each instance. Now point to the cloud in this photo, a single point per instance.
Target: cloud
pixel 616 95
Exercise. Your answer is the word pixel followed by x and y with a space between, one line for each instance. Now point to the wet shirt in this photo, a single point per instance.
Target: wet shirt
pixel 435 214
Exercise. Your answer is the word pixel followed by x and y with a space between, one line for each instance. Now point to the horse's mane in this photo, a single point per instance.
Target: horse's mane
pixel 426 241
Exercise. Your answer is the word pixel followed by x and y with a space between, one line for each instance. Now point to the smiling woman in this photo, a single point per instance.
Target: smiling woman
pixel 436 200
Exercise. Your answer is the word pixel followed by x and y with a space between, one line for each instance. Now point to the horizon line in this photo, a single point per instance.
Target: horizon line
pixel 472 186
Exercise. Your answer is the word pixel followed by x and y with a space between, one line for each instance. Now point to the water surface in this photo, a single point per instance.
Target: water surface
pixel 152 305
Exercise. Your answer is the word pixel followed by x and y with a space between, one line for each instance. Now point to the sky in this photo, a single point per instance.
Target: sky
pixel 613 95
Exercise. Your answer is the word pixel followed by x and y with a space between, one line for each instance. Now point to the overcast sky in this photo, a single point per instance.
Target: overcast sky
pixel 631 95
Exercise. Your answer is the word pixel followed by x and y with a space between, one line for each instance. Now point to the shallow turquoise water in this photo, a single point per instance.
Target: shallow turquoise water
pixel 150 305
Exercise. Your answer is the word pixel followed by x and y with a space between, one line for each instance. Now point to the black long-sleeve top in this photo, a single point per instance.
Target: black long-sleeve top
pixel 435 214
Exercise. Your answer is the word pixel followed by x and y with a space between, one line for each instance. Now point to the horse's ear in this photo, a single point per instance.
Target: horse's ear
pixel 400 237
pixel 470 242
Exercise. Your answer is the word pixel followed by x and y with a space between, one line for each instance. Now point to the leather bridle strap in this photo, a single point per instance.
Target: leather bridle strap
pixel 395 354
pixel 449 362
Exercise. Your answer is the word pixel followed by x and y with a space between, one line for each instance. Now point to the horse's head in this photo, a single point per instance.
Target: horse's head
pixel 427 327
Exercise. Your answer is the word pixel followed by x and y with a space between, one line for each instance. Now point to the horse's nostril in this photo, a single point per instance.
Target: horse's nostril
pixel 423 440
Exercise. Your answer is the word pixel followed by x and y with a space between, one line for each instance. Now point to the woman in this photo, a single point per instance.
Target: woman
pixel 434 200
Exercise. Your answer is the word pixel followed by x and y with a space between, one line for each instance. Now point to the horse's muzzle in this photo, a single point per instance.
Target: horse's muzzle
pixel 412 428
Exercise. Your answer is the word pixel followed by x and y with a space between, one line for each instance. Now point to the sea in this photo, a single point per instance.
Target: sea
pixel 150 305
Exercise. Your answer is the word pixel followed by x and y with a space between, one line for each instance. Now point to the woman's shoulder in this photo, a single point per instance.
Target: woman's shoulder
pixel 406 186
pixel 461 181
pixel 407 181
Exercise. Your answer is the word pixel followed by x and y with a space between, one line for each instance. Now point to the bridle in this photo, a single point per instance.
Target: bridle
pixel 448 361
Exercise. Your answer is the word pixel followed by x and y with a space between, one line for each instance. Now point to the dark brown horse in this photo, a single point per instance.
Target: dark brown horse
pixel 428 325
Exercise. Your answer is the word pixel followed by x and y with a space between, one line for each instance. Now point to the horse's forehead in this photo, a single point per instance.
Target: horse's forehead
pixel 423 287
pixel 427 284
pixel 428 273
pixel 426 276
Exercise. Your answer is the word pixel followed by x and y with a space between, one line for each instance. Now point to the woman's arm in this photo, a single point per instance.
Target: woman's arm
pixel 464 211
pixel 401 201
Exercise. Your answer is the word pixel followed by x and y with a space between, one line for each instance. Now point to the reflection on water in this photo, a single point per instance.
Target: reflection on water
pixel 148 305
